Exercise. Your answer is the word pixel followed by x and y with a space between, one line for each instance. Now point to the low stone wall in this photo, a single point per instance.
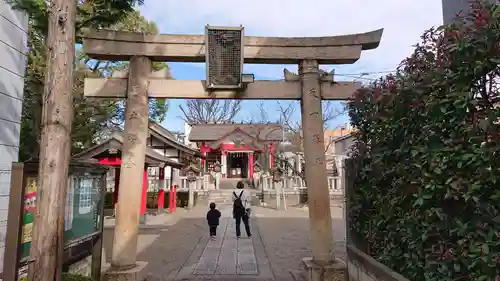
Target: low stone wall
pixel 82 267
pixel 295 198
pixel 362 267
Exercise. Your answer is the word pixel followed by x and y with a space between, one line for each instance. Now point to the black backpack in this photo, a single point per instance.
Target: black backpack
pixel 237 204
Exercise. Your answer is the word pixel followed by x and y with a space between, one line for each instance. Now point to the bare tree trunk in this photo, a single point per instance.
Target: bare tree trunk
pixel 55 145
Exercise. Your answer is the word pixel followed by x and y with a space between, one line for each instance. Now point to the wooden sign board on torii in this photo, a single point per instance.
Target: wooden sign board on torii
pixel 310 86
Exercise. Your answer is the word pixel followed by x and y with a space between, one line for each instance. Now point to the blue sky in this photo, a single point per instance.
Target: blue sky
pixel 403 23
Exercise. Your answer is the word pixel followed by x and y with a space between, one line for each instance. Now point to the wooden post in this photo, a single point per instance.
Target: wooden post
pixel 171 199
pixel 283 193
pixel 277 188
pixel 14 224
pixel 173 179
pixel 271 156
pixel 250 165
pixel 343 175
pixel 315 167
pixel 144 196
pixel 175 198
pixel 97 249
pixel 161 191
pixel 55 145
pixel 132 167
pixel 117 187
pixel 190 194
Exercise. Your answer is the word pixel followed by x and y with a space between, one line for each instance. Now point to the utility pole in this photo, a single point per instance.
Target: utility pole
pixel 55 146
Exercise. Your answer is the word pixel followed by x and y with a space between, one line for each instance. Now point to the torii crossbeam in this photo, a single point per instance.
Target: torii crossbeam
pixel 188 89
pixel 311 85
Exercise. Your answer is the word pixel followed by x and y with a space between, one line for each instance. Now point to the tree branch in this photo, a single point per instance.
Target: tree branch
pixel 210 111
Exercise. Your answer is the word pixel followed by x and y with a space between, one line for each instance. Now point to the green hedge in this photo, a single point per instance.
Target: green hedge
pixel 426 198
pixel 152 202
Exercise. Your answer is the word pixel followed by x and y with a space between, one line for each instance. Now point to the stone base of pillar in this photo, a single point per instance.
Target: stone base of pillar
pixel 337 271
pixel 142 219
pixel 132 274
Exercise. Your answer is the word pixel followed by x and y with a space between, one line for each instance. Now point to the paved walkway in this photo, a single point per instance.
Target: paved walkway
pixel 228 258
pixel 184 251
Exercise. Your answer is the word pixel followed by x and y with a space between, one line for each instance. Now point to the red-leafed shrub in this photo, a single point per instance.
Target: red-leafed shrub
pixel 426 199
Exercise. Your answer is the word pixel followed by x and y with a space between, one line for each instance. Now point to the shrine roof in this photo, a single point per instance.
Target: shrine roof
pixel 213 132
pixel 168 138
pixel 153 158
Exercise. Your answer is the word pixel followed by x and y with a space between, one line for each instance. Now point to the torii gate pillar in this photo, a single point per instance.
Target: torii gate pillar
pixel 124 256
pixel 323 265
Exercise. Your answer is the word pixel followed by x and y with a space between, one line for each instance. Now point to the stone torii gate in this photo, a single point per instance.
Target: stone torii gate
pixel 310 86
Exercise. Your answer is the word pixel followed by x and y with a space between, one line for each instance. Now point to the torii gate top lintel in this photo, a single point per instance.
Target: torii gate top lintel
pixel 119 46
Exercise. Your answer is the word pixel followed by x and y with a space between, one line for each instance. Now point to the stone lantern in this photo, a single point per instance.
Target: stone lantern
pixel 335 171
pixel 217 167
pixel 277 174
pixel 256 167
pixel 191 172
pixel 280 195
pixel 191 175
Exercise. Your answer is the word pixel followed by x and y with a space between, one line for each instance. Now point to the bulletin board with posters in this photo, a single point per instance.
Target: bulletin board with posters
pixel 83 208
pixel 29 213
pixel 83 215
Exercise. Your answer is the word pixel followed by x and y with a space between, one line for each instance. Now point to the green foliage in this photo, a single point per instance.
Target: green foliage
pixel 93 118
pixel 33 91
pixel 90 13
pixel 426 200
pixel 73 277
pixel 157 107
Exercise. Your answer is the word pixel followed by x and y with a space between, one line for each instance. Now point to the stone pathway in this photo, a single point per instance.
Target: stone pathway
pixel 286 236
pixel 228 258
pixel 184 251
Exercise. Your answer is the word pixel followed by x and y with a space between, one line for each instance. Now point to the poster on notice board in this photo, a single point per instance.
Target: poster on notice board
pixel 28 215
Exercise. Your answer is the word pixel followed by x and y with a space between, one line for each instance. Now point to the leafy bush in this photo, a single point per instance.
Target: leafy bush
pixel 426 199
pixel 74 277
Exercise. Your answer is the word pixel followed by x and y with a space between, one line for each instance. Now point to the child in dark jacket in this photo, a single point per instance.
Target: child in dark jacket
pixel 213 216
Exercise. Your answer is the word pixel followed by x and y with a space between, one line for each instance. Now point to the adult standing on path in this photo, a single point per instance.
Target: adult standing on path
pixel 241 208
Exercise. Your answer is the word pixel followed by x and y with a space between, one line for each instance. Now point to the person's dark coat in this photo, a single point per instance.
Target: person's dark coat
pixel 213 217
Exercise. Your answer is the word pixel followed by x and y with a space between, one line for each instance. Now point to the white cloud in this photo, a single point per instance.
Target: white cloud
pixel 403 23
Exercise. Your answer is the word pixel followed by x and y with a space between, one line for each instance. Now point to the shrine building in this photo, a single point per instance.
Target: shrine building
pixel 165 156
pixel 238 148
